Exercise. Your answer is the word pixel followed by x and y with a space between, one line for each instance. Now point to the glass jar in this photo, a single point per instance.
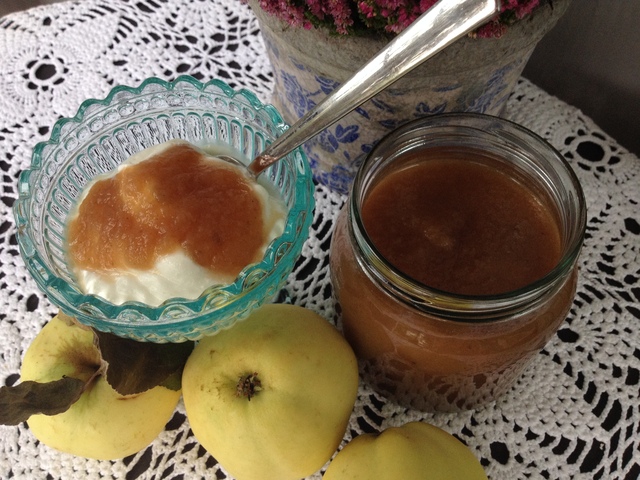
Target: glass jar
pixel 431 349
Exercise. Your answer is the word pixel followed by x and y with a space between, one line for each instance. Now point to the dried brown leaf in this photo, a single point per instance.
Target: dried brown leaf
pixel 19 402
pixel 135 367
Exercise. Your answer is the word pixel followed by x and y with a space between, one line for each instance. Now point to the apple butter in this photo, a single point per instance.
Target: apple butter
pixel 459 225
pixel 454 260
pixel 177 199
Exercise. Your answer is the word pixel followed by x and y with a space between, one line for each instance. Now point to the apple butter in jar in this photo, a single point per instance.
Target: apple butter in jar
pixel 454 260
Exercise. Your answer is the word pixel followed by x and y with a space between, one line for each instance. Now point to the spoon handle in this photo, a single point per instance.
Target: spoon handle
pixel 435 29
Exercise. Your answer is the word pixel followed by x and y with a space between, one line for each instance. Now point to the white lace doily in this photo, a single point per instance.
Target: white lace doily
pixel 575 413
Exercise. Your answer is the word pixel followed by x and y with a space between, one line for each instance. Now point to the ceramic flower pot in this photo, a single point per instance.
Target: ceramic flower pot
pixel 472 75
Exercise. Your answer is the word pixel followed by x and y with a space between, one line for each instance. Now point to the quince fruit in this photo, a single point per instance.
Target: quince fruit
pixel 101 423
pixel 414 451
pixel 270 398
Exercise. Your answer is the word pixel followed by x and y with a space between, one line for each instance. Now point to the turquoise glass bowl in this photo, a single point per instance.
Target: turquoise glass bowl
pixel 103 134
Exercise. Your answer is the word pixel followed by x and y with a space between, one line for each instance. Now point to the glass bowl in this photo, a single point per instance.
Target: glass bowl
pixel 103 134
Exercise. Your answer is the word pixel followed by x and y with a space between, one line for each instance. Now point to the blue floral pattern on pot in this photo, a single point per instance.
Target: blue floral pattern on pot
pixel 336 153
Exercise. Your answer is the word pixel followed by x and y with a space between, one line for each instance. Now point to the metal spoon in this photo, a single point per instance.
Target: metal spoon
pixel 441 25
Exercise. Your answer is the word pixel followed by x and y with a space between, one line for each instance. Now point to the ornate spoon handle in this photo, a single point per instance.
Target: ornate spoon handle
pixel 435 29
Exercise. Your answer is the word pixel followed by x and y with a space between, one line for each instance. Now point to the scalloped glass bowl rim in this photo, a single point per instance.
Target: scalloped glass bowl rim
pixel 75 302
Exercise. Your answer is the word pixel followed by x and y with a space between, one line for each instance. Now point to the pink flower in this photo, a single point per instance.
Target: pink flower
pixel 491 30
pixel 391 16
pixel 366 9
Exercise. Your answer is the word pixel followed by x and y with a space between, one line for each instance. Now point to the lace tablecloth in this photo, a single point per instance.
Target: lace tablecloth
pixel 575 413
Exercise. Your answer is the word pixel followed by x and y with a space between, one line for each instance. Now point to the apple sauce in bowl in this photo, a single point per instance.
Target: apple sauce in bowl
pixel 159 226
pixel 103 135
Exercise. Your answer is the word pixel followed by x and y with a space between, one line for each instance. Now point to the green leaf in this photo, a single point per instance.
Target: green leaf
pixel 19 402
pixel 135 367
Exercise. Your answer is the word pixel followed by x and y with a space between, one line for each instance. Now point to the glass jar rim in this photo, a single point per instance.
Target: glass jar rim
pixel 448 304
